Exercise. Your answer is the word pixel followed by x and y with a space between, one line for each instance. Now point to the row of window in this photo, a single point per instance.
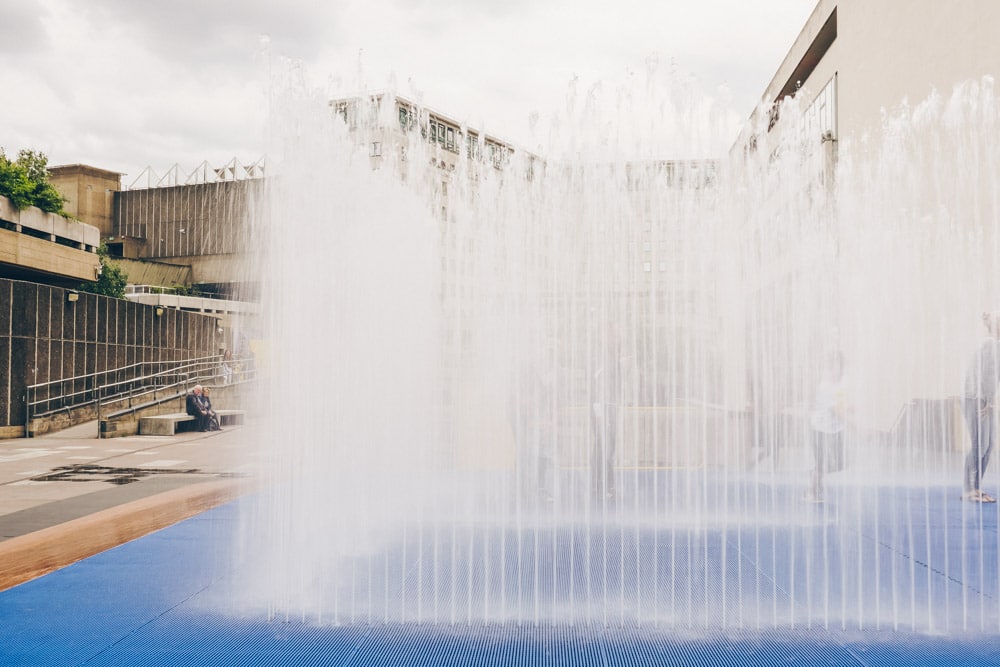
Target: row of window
pixel 442 134
pixel 451 138
pixel 348 111
pixel 674 174
pixel 819 120
pixel 436 131
pixel 447 136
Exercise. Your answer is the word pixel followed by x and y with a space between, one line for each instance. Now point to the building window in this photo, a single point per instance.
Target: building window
pixel 374 111
pixel 819 120
pixel 499 155
pixel 407 118
pixel 472 150
pixel 439 132
pixel 375 150
pixel 347 112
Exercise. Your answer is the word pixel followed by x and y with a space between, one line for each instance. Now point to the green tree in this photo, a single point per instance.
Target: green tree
pixel 14 183
pixel 112 280
pixel 25 181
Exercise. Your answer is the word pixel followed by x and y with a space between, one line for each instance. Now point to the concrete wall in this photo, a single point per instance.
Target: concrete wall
pixel 892 51
pixel 895 51
pixel 44 337
pixel 187 220
pixel 89 193
pixel 36 245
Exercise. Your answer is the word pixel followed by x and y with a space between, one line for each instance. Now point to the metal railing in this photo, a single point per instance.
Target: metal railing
pixel 148 390
pixel 132 290
pixel 127 387
pixel 234 170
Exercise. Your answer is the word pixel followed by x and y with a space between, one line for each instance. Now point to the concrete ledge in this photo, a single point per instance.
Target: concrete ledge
pixel 163 424
pixel 231 417
pixel 11 432
pixel 51 225
pixel 45 256
pixel 34 555
pixel 8 212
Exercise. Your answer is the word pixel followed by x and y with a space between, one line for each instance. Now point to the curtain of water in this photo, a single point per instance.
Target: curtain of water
pixel 577 388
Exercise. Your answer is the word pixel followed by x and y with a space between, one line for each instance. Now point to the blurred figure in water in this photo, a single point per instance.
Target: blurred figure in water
pixel 606 397
pixel 532 415
pixel 979 408
pixel 827 420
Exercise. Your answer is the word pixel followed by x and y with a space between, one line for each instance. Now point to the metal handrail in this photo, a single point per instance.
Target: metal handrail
pixel 186 376
pixel 66 394
pixel 175 382
pixel 135 290
pixel 198 369
pixel 35 388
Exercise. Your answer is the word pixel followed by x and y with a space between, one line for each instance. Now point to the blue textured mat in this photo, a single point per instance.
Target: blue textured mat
pixel 155 602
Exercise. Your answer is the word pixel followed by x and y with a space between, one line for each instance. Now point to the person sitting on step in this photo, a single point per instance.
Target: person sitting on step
pixel 199 409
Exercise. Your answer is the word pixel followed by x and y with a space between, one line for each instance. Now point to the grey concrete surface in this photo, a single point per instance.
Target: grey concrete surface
pixel 66 475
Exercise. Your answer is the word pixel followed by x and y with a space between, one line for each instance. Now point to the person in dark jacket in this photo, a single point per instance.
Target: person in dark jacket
pixel 199 409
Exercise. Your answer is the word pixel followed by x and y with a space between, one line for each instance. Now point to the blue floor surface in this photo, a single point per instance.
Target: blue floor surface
pixel 155 602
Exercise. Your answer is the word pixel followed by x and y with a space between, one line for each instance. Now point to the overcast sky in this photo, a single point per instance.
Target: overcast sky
pixel 125 84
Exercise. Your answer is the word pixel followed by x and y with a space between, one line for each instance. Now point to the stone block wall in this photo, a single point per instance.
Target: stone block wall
pixel 44 337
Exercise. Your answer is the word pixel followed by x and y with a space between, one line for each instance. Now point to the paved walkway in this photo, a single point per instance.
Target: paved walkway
pixel 67 496
pixel 71 474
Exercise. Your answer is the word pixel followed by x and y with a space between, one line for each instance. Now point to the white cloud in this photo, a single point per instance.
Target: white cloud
pixel 122 84
pixel 21 30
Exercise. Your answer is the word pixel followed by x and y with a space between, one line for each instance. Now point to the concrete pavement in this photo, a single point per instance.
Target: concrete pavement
pixel 68 495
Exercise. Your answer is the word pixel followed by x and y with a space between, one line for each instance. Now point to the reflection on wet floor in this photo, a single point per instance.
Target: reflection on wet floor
pixel 92 473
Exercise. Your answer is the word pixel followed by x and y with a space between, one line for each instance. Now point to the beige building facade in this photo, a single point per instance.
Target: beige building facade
pixel 868 98
pixel 89 193
pixel 48 248
pixel 856 59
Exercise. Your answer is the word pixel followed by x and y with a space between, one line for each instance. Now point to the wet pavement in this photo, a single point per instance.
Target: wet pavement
pixel 49 480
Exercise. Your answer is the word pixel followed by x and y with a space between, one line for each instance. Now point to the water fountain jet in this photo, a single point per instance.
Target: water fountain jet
pixel 443 331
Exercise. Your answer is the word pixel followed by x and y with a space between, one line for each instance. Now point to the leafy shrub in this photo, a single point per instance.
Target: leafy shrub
pixel 112 280
pixel 25 181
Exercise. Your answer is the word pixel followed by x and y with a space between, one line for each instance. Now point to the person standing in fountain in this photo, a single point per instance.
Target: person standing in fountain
pixel 979 408
pixel 827 421
pixel 531 411
pixel 606 392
